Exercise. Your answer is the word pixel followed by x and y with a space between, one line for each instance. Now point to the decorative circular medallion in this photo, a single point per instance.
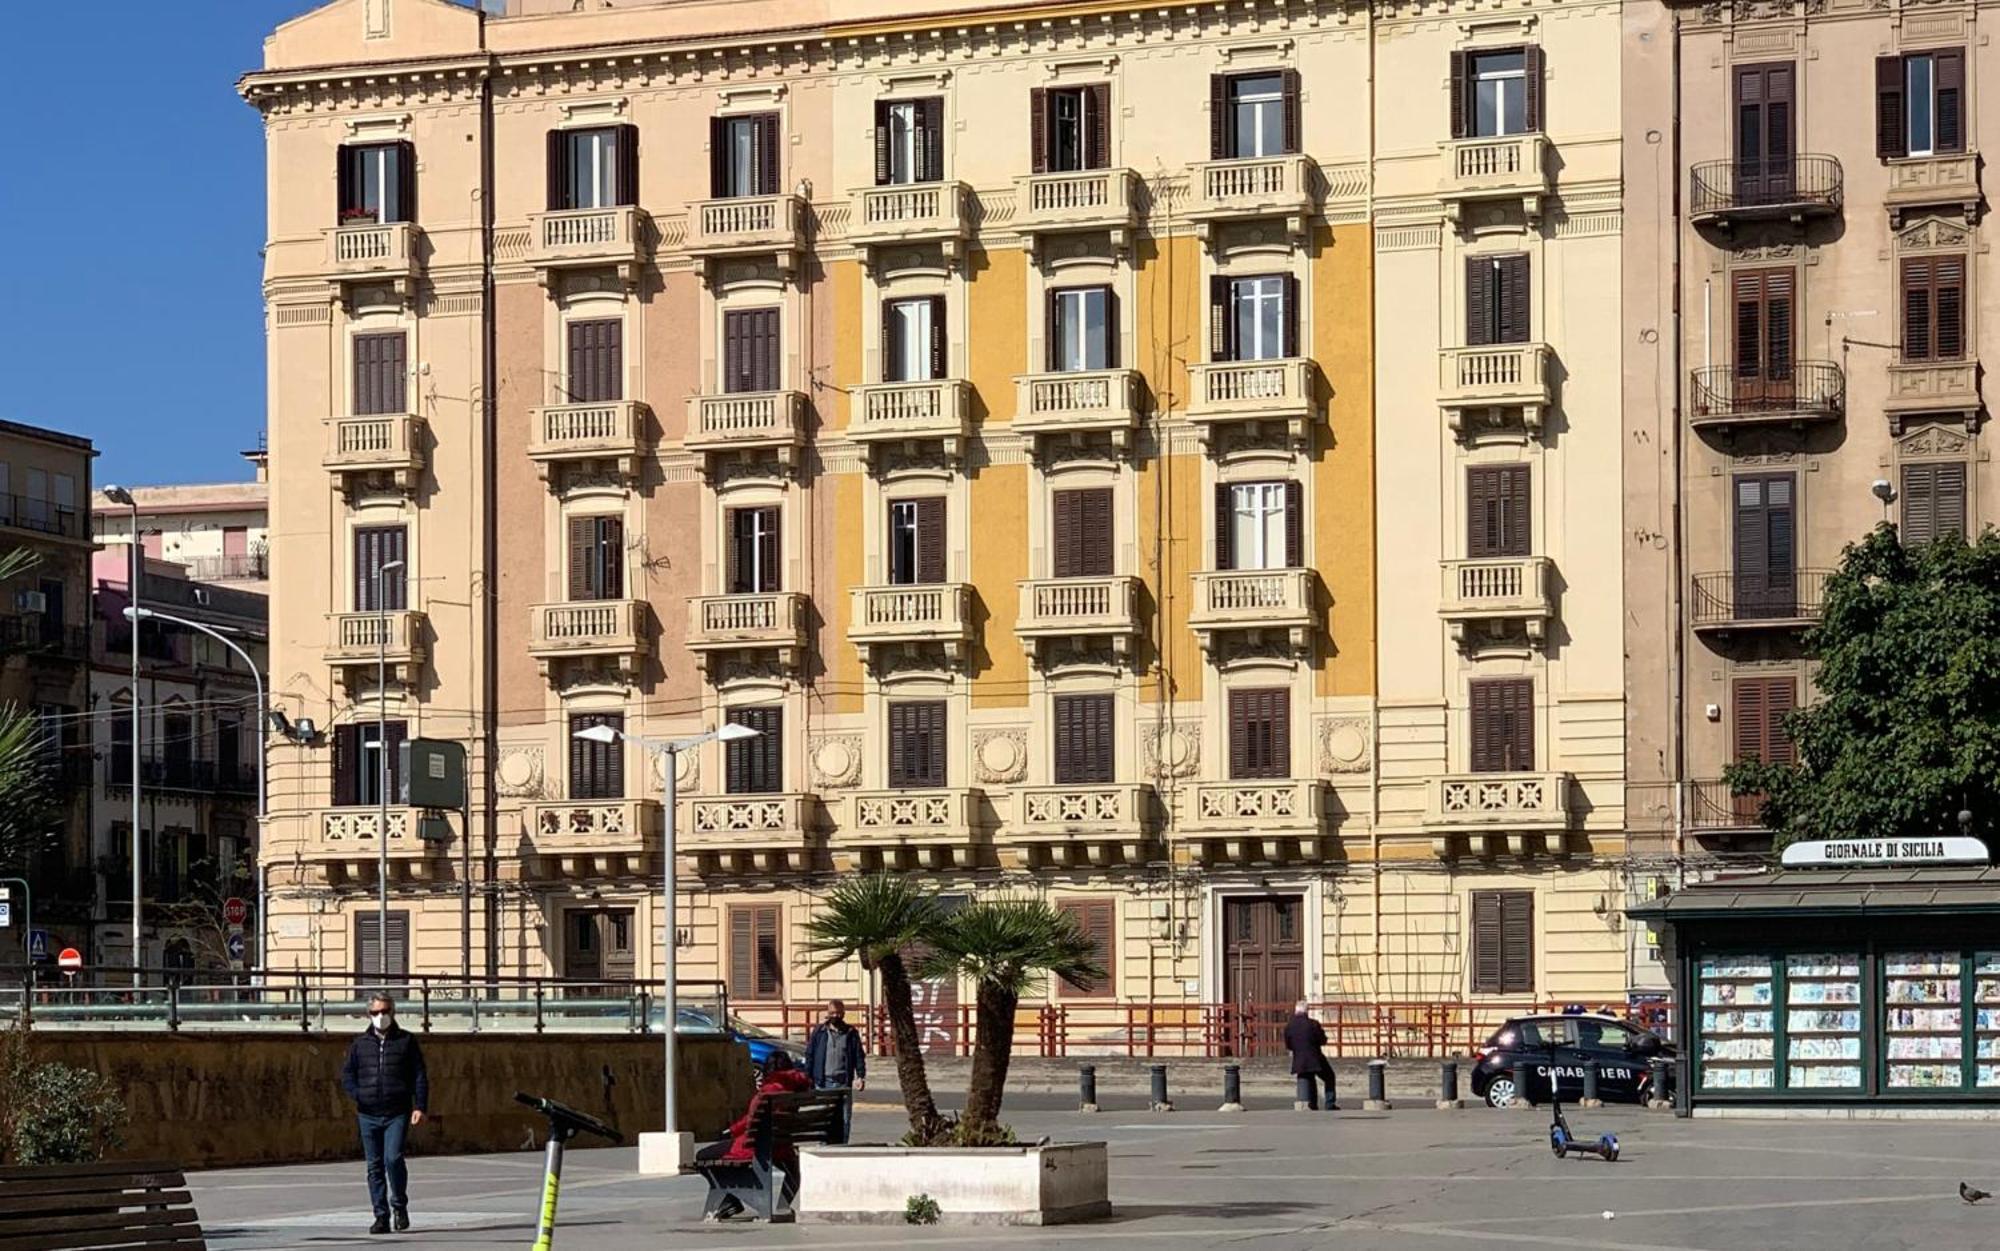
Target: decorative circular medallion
pixel 1176 750
pixel 833 759
pixel 516 770
pixel 1346 745
pixel 1000 755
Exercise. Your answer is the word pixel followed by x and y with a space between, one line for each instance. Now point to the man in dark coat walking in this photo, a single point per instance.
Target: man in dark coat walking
pixel 384 1075
pixel 836 1058
pixel 1304 1038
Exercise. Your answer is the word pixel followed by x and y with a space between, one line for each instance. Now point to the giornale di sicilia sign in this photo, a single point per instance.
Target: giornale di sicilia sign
pixel 1836 852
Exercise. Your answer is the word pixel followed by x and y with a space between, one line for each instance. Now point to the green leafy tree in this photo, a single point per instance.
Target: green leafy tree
pixel 1005 946
pixel 876 918
pixel 1905 732
pixel 52 1113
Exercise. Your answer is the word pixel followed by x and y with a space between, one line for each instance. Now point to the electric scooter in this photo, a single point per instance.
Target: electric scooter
pixel 565 1123
pixel 1561 1140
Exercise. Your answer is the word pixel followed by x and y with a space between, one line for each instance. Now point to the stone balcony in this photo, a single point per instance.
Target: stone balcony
pixel 1081 610
pixel 1079 403
pixel 1251 189
pixel 616 238
pixel 345 844
pixel 1495 592
pixel 747 226
pixel 1500 375
pixel 751 423
pixel 581 433
pixel 390 444
pixel 912 214
pixel 593 838
pixel 359 640
pixel 1253 599
pixel 1255 820
pixel 1084 200
pixel 764 620
pixel 1917 182
pixel 911 412
pixel 747 834
pixel 1932 387
pixel 613 629
pixel 908 829
pixel 364 252
pixel 936 613
pixel 1232 392
pixel 1509 167
pixel 1079 824
pixel 1496 812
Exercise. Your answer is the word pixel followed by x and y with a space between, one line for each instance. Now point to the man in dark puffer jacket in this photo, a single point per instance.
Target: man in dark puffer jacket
pixel 384 1075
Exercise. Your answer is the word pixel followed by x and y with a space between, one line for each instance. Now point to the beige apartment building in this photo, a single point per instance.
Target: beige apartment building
pixel 217 531
pixel 1804 285
pixel 1163 457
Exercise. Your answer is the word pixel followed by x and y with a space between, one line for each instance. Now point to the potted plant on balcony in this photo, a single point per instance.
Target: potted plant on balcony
pixel 357 216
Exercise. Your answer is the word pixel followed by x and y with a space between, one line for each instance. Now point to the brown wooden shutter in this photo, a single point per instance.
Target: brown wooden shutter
pixel 742 952
pixel 1503 729
pixel 1221 320
pixel 770 981
pixel 755 766
pixel 406 181
pixel 346 185
pixel 1111 329
pixel 1097 920
pixel 582 544
pixel 1290 287
pixel 1481 291
pixel 1511 278
pixel 930 540
pixel 1531 74
pixel 1260 733
pixel 882 108
pixel 1919 502
pixel 766 146
pixel 939 354
pixel 1486 942
pixel 1917 309
pixel 381 373
pixel 596 361
pixel 346 755
pixel 718 158
pixel 1053 329
pixel 1066 510
pixel 558 146
pixel 1949 132
pixel 1295 525
pixel 1221 131
pixel 1950 512
pixel 916 743
pixel 374 547
pixel 1083 748
pixel 930 139
pixel 1225 527
pixel 1288 81
pixel 1517 942
pixel 1891 131
pixel 1496 518
pixel 1948 307
pixel 1461 96
pixel 625 142
pixel 1038 129
pixel 768 551
pixel 750 349
pixel 1097 126
pixel 1760 707
pixel 1094 546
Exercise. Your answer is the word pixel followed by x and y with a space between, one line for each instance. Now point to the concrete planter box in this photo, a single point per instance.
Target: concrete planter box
pixel 1049 1185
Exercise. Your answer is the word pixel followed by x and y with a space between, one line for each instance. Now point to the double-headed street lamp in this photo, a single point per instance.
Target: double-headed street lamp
pixel 670 1150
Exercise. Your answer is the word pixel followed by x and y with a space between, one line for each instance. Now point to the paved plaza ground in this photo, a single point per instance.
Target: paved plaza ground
pixel 1408 1180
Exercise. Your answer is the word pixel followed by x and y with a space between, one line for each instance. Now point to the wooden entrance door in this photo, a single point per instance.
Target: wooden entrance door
pixel 598 945
pixel 1764 331
pixel 1764 134
pixel 1766 566
pixel 1263 967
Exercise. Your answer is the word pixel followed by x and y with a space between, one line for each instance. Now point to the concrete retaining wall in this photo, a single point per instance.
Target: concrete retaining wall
pixel 222 1100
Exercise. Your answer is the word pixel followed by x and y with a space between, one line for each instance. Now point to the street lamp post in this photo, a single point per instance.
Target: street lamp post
pixel 670 1150
pixel 119 495
pixel 135 615
pixel 382 766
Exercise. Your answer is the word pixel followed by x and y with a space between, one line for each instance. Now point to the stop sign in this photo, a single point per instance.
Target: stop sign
pixel 235 911
pixel 69 959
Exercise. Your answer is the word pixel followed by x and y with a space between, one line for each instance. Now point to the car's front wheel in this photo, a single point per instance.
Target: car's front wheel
pixel 1501 1092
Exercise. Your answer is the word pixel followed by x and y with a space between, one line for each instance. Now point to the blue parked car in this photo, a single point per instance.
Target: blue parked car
pixel 760 1043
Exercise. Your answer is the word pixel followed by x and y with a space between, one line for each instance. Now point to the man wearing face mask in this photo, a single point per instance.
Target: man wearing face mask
pixel 385 1077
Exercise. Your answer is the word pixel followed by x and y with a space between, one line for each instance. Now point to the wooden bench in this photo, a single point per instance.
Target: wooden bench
pixel 77 1207
pixel 761 1184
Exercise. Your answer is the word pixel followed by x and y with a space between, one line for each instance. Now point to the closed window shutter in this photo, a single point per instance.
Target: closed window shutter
pixel 596 770
pixel 1945 299
pixel 1097 920
pixel 1950 513
pixel 1512 279
pixel 1290 287
pixel 1056 331
pixel 1260 733
pixel 558 162
pixel 916 744
pixel 930 540
pixel 611 554
pixel 1038 129
pixel 1289 87
pixel 1111 331
pixel 1480 291
pixel 406 181
pixel 1295 525
pixel 1760 708
pixel 1517 942
pixel 770 981
pixel 596 361
pixel 718 158
pixel 375 547
pixel 582 545
pixel 346 752
pixel 1083 729
pixel 1067 515
pixel 1919 495
pixel 882 142
pixel 1461 97
pixel 380 374
pixel 1891 137
pixel 938 346
pixel 742 953
pixel 1097 126
pixel 1225 527
pixel 1486 942
pixel 346 184
pixel 626 142
pixel 1531 73
pixel 1503 731
pixel 1094 542
pixel 371 960
pixel 1221 119
pixel 754 766
pixel 1949 66
pixel 1497 511
pixel 764 144
pixel 1221 320
pixel 930 139
pixel 750 349
pixel 1917 310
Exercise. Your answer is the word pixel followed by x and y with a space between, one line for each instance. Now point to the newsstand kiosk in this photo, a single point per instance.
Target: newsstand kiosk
pixel 1861 972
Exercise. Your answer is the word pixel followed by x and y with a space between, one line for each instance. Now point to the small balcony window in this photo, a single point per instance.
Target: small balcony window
pixel 743 155
pixel 1080 330
pixel 1496 92
pixel 378 183
pixel 913 339
pixel 593 168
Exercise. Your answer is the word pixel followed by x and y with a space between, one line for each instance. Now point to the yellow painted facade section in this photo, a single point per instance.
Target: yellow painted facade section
pixel 845 680
pixel 996 338
pixel 1169 320
pixel 1344 475
pixel 998 497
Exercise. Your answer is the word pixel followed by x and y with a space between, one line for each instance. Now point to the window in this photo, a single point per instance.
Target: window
pixel 750 350
pixel 909 141
pixel 1503 943
pixel 1765 326
pixel 913 339
pixel 753 550
pixel 1496 299
pixel 1766 578
pixel 1253 114
pixel 1260 733
pixel 1760 706
pixel 596 770
pixel 381 374
pixel 743 155
pixel 1604 1036
pixel 1496 513
pixel 369 959
pixel 1098 919
pixel 377 183
pixel 1253 319
pixel 55 609
pixel 1082 329
pixel 1920 103
pixel 916 542
pixel 755 766
pixel 1070 128
pixel 1082 525
pixel 1083 732
pixel 596 558
pixel 1503 725
pixel 756 970
pixel 358 763
pixel 1259 525
pixel 228 750
pixel 1933 501
pixel 596 361
pixel 1764 122
pixel 1496 92
pixel 593 168
pixel 1933 308
pixel 916 743
pixel 374 547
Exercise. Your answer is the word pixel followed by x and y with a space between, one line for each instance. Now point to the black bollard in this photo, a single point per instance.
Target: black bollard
pixel 1086 1088
pixel 1302 1097
pixel 1160 1101
pixel 1378 1086
pixel 1662 1078
pixel 1590 1099
pixel 1448 1086
pixel 1232 1088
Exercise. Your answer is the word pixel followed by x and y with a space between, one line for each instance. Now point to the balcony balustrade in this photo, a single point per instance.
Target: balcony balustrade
pixel 1080 609
pixel 939 613
pixel 1253 599
pixel 586 432
pixel 593 838
pixel 1498 809
pixel 932 828
pixel 1795 188
pixel 387 443
pixel 1084 200
pixel 749 422
pixel 366 251
pixel 754 620
pixel 1500 375
pixel 748 226
pixel 1767 601
pixel 1253 188
pixel 1932 387
pixel 1505 167
pixel 361 639
pixel 908 214
pixel 1079 402
pixel 1227 392
pixel 1079 824
pixel 613 628
pixel 619 238
pixel 1791 393
pixel 1948 181
pixel 1496 591
pixel 744 834
pixel 1255 820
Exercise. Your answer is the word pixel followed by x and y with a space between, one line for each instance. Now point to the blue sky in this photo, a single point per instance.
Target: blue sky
pixel 132 212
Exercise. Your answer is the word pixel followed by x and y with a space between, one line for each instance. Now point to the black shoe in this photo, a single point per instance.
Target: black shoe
pixel 381 1225
pixel 402 1220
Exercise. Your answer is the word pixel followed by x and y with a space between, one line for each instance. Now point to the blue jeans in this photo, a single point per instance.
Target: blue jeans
pixel 382 1146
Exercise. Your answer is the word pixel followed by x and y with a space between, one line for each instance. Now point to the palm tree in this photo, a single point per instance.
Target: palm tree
pixel 1006 946
pixel 876 918
pixel 26 803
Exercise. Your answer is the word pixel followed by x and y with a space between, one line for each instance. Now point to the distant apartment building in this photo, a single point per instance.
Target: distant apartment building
pixel 217 532
pixel 1162 457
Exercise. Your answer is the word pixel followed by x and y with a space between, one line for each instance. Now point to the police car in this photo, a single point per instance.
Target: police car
pixel 1526 1054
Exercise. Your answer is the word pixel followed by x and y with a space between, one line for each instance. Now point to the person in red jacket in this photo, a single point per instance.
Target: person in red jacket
pixel 780 1077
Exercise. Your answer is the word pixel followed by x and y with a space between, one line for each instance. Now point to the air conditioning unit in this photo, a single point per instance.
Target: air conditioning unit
pixel 31 601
